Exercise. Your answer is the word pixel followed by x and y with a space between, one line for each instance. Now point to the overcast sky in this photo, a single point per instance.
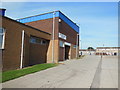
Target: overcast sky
pixel 98 20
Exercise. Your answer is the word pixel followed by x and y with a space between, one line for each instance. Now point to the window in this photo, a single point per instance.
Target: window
pixel 75 46
pixel 2 35
pixel 32 40
pixel 43 42
pixel 37 40
pixel 61 44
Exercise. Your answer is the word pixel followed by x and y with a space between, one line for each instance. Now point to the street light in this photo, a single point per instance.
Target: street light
pixel 77 46
pixel 78 41
pixel 102 51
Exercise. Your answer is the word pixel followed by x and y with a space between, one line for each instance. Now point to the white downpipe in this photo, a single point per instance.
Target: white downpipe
pixel 53 34
pixel 3 44
pixel 21 61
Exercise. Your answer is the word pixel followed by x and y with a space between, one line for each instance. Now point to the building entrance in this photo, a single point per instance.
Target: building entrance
pixel 67 50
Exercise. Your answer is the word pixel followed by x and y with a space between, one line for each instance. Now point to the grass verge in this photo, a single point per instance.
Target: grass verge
pixel 12 74
pixel 80 57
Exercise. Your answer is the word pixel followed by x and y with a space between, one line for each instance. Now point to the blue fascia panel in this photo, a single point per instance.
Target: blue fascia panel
pixel 69 22
pixel 48 16
pixel 38 17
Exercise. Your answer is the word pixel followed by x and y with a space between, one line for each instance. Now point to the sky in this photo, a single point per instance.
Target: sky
pixel 98 21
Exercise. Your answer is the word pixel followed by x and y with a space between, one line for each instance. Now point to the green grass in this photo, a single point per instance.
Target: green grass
pixel 12 74
pixel 81 57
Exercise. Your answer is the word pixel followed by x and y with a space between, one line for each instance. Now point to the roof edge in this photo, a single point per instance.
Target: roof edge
pixel 47 13
pixel 39 14
pixel 25 25
pixel 69 19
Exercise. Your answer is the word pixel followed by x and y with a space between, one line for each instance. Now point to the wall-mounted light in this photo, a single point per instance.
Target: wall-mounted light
pixel 60 20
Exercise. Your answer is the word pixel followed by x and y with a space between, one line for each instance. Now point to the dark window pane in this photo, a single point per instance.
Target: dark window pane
pixel 1 30
pixel 38 40
pixel 1 40
pixel 32 40
pixel 44 42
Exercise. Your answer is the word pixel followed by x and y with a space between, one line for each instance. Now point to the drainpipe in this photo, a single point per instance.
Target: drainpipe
pixel 22 47
pixel 53 35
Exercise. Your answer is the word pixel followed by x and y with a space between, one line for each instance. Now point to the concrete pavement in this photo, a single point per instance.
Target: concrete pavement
pixel 106 75
pixel 72 74
pixel 109 72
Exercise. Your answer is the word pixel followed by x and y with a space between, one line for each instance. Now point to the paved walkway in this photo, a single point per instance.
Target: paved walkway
pixel 109 72
pixel 72 74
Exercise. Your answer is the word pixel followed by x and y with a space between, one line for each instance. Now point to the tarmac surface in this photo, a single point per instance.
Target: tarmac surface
pixel 89 72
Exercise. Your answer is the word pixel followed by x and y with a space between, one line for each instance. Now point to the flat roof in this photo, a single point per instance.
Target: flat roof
pixel 87 49
pixel 50 15
pixel 108 47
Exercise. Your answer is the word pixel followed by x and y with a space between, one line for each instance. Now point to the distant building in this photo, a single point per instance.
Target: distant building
pixel 86 52
pixel 107 51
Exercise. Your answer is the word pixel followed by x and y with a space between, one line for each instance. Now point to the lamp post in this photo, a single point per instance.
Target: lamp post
pixel 81 47
pixel 102 51
pixel 78 41
pixel 90 50
pixel 77 46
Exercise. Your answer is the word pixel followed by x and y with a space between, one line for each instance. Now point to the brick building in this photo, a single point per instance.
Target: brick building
pixel 44 38
pixel 66 34
pixel 108 51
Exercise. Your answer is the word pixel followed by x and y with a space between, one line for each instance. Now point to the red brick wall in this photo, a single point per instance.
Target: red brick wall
pixel 46 25
pixel 13 40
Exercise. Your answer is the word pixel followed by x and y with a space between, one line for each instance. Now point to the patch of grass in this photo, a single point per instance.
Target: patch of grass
pixel 81 56
pixel 12 74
